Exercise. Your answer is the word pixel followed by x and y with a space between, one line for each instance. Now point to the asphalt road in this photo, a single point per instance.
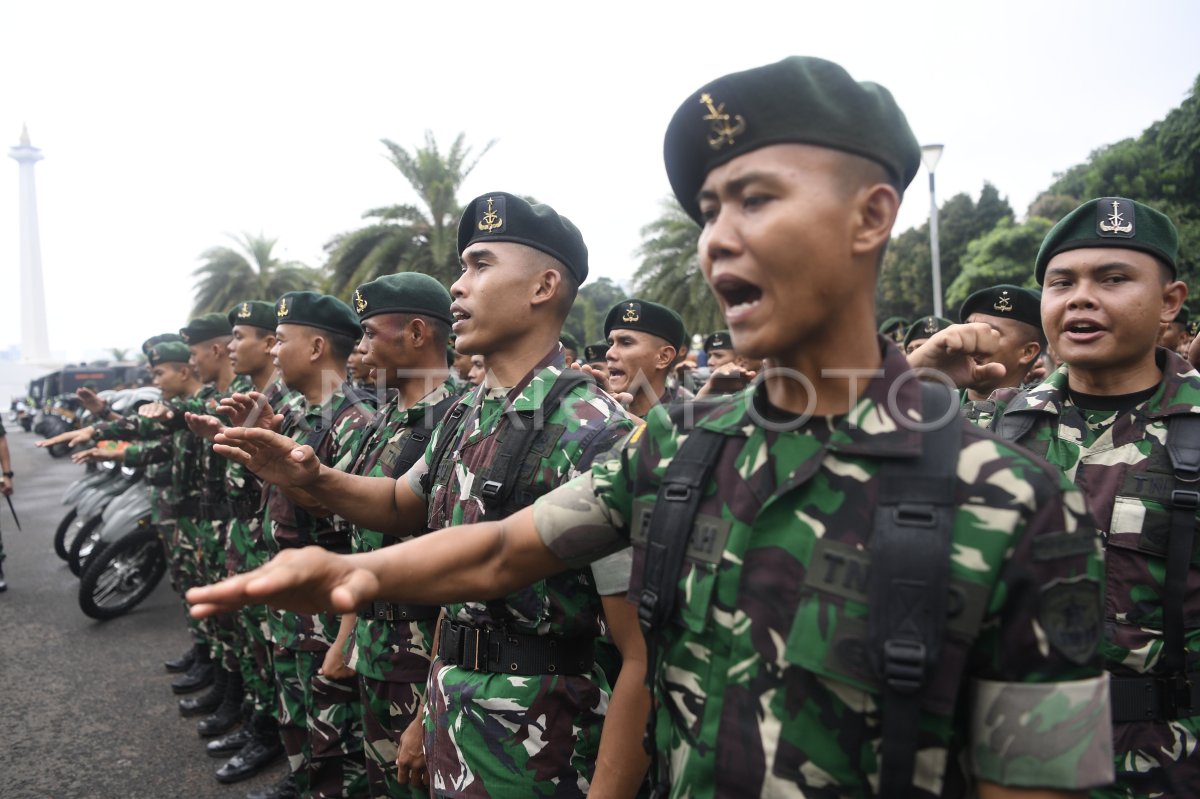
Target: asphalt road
pixel 86 708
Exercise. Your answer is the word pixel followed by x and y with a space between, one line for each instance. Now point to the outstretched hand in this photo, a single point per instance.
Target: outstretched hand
pixel 72 437
pixel 960 352
pixel 308 580
pixel 273 457
pixel 98 454
pixel 203 425
pixel 90 401
pixel 157 411
pixel 251 410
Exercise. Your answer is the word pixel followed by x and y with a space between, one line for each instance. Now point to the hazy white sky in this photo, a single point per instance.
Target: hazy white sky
pixel 166 126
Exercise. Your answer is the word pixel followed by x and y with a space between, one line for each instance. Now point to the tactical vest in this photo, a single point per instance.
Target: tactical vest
pixel 907 581
pixel 1170 693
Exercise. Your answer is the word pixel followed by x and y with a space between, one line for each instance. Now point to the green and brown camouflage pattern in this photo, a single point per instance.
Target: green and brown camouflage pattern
pixel 762 684
pixel 1120 462
pixel 388 708
pixel 290 526
pixel 496 734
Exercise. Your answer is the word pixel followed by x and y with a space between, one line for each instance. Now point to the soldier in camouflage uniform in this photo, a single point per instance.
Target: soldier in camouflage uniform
pixel 319 711
pixel 532 713
pixel 406 323
pixel 762 682
pixel 645 341
pixel 1106 418
pixel 1015 314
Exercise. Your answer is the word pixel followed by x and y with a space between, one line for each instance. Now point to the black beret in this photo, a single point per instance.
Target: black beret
pixel 648 317
pixel 405 292
pixel 720 340
pixel 501 216
pixel 1005 301
pixel 568 341
pixel 202 328
pixel 925 327
pixel 799 100
pixel 595 352
pixel 311 309
pixel 1111 222
pixel 256 313
pixel 161 337
pixel 168 352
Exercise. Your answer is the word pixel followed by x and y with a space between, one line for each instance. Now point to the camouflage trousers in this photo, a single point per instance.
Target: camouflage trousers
pixel 228 636
pixel 320 722
pixel 179 560
pixel 1155 759
pixel 192 537
pixel 253 647
pixel 388 709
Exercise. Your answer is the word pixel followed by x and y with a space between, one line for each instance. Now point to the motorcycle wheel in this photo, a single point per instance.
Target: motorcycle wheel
pixel 122 575
pixel 86 545
pixel 61 547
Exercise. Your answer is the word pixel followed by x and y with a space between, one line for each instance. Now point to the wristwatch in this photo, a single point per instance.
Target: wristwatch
pixel 10 474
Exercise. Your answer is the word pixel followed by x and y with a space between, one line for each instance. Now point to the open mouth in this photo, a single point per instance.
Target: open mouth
pixel 458 314
pixel 1082 330
pixel 739 296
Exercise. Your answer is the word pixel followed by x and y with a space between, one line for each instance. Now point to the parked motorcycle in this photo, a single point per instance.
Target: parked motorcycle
pixel 89 512
pixel 127 561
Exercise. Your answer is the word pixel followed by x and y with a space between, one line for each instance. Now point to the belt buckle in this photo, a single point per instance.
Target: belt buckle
pixel 387 614
pixel 476 666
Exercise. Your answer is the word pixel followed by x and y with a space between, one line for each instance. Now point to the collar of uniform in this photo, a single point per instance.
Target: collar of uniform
pixel 871 427
pixel 330 401
pixel 1046 397
pixel 424 403
pixel 1180 387
pixel 530 390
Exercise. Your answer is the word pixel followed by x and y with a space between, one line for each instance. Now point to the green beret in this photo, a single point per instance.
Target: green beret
pixel 256 313
pixel 168 352
pixel 891 324
pixel 595 352
pixel 1007 302
pixel 1111 222
pixel 202 328
pixel 799 100
pixel 150 342
pixel 500 216
pixel 568 341
pixel 648 317
pixel 311 309
pixel 1183 317
pixel 925 327
pixel 405 292
pixel 720 340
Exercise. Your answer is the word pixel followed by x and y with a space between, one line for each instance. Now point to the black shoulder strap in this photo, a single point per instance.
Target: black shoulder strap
pixel 909 581
pixel 450 425
pixel 514 442
pixel 1183 445
pixel 418 437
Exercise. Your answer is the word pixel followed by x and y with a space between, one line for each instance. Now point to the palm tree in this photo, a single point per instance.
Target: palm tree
pixel 118 355
pixel 420 237
pixel 670 270
pixel 249 271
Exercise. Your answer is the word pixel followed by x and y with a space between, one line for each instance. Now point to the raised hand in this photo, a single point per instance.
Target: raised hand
pixel 251 410
pixel 960 353
pixel 307 580
pixel 90 400
pixel 72 437
pixel 156 410
pixel 203 425
pixel 273 457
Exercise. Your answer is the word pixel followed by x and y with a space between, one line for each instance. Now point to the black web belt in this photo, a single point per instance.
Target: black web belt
pixel 244 508
pixel 390 611
pixel 501 651
pixel 1153 698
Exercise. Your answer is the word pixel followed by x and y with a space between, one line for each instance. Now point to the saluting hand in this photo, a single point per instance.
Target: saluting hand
pixel 90 400
pixel 307 580
pixel 960 352
pixel 273 457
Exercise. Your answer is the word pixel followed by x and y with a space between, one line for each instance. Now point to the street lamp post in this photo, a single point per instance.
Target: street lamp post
pixel 930 155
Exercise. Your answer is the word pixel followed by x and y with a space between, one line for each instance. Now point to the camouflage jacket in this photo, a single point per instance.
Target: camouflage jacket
pixel 395 651
pixel 492 734
pixel 761 685
pixel 1120 462
pixel 288 525
pixel 175 444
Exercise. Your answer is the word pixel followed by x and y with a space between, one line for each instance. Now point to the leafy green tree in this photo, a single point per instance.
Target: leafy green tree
pixel 118 355
pixel 669 272
pixel 595 298
pixel 247 271
pixel 905 284
pixel 410 237
pixel 1005 254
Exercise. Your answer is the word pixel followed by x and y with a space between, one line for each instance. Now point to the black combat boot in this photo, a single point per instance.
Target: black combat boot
pixel 199 675
pixel 284 789
pixel 231 743
pixel 183 662
pixel 229 712
pixel 208 701
pixel 261 751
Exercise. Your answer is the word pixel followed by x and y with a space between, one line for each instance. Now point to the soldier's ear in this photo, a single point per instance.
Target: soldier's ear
pixel 875 209
pixel 1174 293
